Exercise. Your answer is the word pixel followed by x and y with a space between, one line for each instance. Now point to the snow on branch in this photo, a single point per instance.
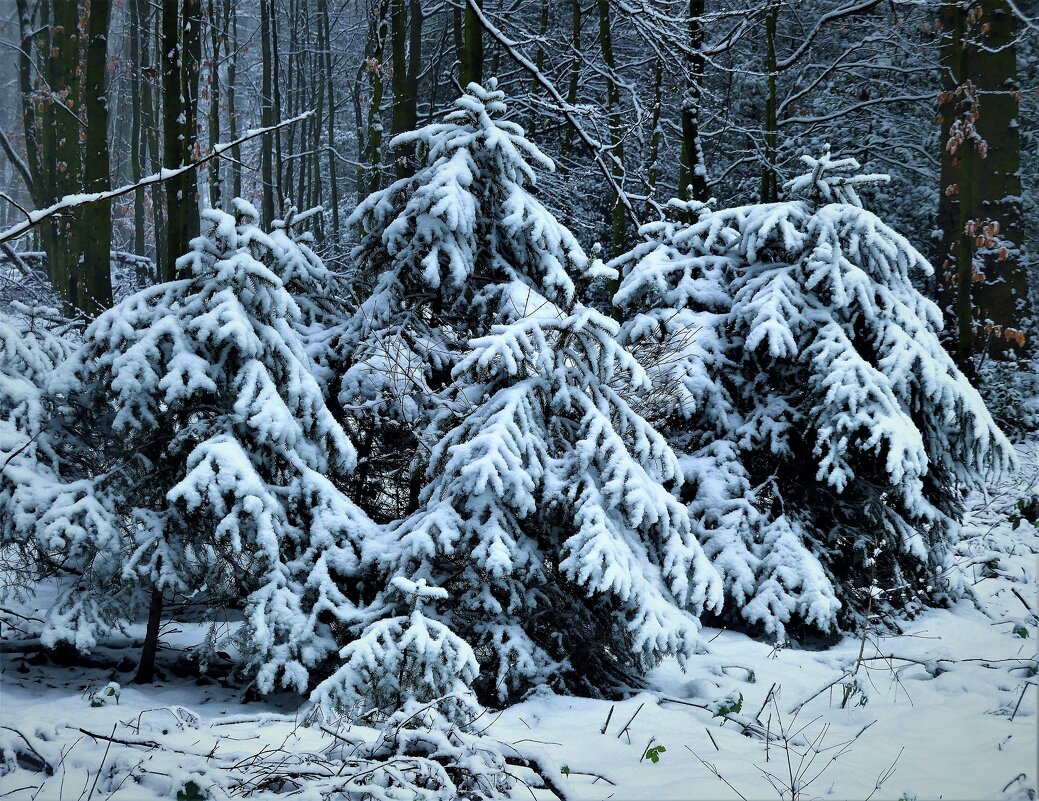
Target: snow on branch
pixel 163 175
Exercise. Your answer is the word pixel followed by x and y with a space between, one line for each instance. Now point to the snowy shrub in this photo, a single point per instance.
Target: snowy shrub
pixel 228 455
pixel 825 435
pixel 403 659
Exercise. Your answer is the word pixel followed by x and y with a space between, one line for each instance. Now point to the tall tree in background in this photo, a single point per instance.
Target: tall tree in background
pixel 61 132
pixel 138 143
pixel 181 55
pixel 769 179
pixel 613 114
pixel 95 261
pixel 471 57
pixel 267 114
pixel 980 209
pixel 325 44
pixel 639 99
pixel 64 117
pixel 692 172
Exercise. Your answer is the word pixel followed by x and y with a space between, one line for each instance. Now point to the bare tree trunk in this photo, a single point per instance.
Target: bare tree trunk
pixel 146 668
pixel 279 165
pixel 231 54
pixel 692 171
pixel 192 66
pixel 150 102
pixel 980 202
pixel 374 158
pixel 399 81
pixel 769 181
pixel 266 114
pixel 472 48
pixel 63 78
pixel 414 61
pixel 295 88
pixel 1002 297
pixel 325 39
pixel 178 129
pixel 137 140
pixel 618 220
pixel 214 103
pixel 95 262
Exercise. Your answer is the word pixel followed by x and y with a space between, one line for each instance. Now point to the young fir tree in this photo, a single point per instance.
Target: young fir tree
pixel 545 517
pixel 445 246
pixel 830 436
pixel 232 455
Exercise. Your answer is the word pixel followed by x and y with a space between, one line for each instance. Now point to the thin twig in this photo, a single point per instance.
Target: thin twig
pixel 626 725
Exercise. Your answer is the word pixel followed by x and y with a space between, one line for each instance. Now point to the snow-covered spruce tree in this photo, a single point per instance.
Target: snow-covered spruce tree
pixel 832 435
pixel 231 452
pixel 545 518
pixel 676 301
pixel 56 522
pixel 447 248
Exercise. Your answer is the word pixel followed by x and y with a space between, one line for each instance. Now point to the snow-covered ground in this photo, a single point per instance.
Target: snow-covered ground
pixel 947 709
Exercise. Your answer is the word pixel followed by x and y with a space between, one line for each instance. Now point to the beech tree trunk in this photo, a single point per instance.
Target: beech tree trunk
pixel 472 48
pixel 982 277
pixel 180 61
pixel 266 114
pixel 95 261
pixel 769 180
pixel 63 121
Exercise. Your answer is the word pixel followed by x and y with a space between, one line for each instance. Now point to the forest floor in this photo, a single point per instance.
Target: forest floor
pixel 947 709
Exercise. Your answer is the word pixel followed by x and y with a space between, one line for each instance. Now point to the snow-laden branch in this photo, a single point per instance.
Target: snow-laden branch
pixel 72 201
pixel 595 146
pixel 1029 22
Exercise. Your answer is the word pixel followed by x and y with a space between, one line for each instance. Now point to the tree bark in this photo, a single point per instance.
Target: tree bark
pixel 618 220
pixel 376 66
pixel 214 103
pixel 1002 297
pixel 279 165
pixel 406 65
pixel 692 172
pixel 150 107
pixel 137 137
pixel 980 212
pixel 95 262
pixel 330 142
pixel 178 128
pixel 472 49
pixel 146 669
pixel 414 64
pixel 64 105
pixel 769 180
pixel 266 115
